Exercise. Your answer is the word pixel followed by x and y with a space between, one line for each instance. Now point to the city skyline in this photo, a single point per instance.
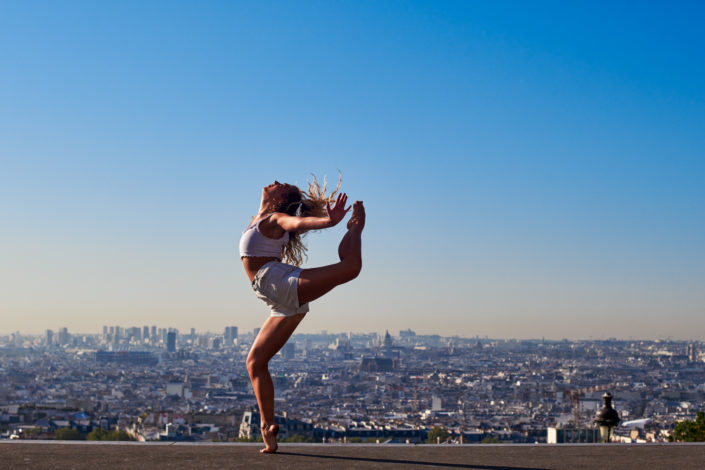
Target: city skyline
pixel 354 386
pixel 528 170
pixel 159 331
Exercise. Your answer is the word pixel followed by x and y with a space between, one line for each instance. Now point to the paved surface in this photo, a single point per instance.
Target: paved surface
pixel 89 455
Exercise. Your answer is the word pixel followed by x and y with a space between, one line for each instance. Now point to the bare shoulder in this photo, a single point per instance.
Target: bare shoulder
pixel 270 226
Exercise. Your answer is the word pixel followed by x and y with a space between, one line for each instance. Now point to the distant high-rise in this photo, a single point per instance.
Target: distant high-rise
pixel 49 337
pixel 255 332
pixel 230 335
pixel 153 334
pixel 133 333
pixel 436 403
pixel 192 337
pixel 64 336
pixel 289 350
pixel 214 343
pixel 692 352
pixel 171 341
pixel 145 333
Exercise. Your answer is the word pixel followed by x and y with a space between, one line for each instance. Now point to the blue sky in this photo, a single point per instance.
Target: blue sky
pixel 529 169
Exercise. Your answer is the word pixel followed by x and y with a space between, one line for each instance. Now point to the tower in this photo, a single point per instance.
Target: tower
pixel 387 343
pixel 171 341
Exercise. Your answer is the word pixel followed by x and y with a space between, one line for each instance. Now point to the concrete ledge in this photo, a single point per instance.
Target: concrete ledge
pixel 131 455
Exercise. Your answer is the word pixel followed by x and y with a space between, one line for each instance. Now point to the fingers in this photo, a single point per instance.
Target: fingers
pixel 340 202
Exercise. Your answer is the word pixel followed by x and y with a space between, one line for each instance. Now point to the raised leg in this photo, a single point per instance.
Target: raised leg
pixel 272 336
pixel 315 282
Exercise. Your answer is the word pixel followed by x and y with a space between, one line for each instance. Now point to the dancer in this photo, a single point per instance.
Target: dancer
pixel 285 214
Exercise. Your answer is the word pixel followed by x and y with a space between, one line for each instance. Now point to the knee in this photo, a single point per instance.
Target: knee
pixel 255 364
pixel 353 269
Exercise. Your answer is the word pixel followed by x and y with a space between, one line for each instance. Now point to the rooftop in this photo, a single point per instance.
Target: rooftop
pixel 89 455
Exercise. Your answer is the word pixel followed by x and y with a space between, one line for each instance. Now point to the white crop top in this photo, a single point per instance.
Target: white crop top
pixel 254 243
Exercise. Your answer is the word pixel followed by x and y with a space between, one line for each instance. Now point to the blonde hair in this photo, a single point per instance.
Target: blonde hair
pixel 310 203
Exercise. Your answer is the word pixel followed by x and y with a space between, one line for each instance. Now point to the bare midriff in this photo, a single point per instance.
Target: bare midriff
pixel 253 264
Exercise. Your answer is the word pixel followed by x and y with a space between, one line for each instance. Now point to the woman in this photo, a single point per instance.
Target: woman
pixel 285 214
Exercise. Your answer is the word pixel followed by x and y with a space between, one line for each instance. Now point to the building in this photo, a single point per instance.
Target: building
pixel 214 344
pixel 572 436
pixel 133 333
pixel 436 403
pixel 127 357
pixel 171 342
pixel 289 350
pixel 249 426
pixel 229 336
pixel 692 352
pixel 387 343
pixel 376 364
pixel 64 337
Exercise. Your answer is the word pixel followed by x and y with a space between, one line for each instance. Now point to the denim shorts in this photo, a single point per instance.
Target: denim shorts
pixel 277 285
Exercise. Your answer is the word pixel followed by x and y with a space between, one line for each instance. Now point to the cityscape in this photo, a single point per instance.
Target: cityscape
pixel 154 383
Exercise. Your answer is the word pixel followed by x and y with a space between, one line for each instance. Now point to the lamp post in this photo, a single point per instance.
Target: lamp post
pixel 607 418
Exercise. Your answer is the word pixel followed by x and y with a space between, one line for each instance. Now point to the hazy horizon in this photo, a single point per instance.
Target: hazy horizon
pixel 394 333
pixel 529 170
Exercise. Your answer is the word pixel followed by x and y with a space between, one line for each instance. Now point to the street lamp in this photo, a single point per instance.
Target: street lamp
pixel 607 418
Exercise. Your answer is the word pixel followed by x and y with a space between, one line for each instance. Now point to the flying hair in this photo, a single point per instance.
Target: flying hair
pixel 310 203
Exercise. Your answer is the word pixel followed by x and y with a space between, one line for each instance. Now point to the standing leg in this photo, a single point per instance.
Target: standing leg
pixel 315 282
pixel 274 334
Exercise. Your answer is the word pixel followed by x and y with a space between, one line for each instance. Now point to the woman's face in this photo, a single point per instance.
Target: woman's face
pixel 277 191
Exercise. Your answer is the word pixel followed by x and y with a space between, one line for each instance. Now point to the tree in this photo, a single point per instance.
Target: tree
pixel 68 434
pixel 436 433
pixel 690 431
pixel 30 433
pixel 100 434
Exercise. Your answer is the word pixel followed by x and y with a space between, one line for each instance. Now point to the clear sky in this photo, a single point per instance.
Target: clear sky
pixel 529 168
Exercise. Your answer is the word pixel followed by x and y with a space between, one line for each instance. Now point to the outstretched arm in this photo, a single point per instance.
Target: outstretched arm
pixel 303 224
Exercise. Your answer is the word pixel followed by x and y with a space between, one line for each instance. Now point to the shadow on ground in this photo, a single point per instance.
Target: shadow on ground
pixel 409 462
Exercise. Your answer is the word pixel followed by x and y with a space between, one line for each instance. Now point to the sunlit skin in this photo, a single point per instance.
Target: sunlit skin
pixel 313 283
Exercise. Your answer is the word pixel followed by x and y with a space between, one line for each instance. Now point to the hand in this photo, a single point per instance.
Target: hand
pixel 338 211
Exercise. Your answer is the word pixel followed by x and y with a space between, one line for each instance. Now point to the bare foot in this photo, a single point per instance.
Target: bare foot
pixel 269 435
pixel 358 216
